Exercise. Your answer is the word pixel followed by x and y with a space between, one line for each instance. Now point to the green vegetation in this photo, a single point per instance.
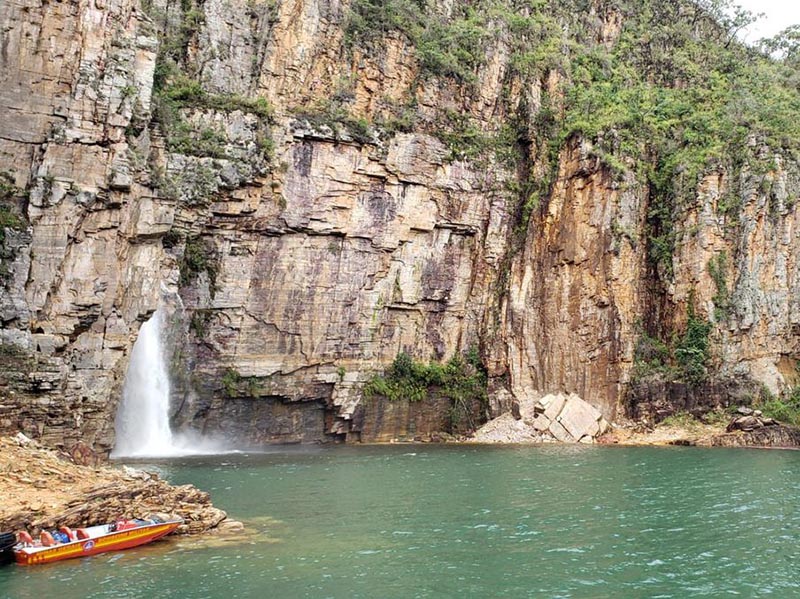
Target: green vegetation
pixel 230 382
pixel 332 114
pixel 683 420
pixel 179 92
pixel 684 358
pixel 451 46
pixel 461 380
pixel 236 385
pixel 693 351
pixel 717 269
pixel 784 408
pixel 199 322
pixel 10 218
pixel 198 257
pixel 188 93
pixel 673 97
pixel 176 88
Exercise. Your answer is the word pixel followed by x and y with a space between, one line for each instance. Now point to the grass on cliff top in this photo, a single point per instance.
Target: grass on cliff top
pixel 672 97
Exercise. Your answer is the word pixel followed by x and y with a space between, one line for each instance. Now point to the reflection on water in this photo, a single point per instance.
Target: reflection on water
pixel 426 521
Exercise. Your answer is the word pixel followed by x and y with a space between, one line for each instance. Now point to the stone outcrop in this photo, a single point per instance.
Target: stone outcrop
pixel 308 209
pixel 84 269
pixel 777 436
pixel 44 490
pixel 379 420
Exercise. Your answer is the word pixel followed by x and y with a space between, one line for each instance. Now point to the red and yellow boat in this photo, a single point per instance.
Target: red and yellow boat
pixel 66 544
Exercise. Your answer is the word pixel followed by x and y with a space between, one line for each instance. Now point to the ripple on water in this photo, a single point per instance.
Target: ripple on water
pixel 442 522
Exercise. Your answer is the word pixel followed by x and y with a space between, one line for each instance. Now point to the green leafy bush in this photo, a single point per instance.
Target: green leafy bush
pixel 459 380
pixel 198 257
pixel 693 351
pixel 684 357
pixel 784 409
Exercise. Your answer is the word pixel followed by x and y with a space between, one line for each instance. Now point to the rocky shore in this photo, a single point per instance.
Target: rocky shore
pixel 44 489
pixel 569 419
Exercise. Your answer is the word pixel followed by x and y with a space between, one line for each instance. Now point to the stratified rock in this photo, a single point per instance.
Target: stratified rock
pixel 329 246
pixel 43 490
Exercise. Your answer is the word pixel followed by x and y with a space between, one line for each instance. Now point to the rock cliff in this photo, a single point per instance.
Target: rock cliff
pixel 313 193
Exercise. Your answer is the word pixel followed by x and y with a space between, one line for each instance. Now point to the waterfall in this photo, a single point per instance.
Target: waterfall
pixel 142 423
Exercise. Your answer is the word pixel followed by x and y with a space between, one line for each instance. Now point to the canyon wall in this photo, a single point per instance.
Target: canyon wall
pixel 310 208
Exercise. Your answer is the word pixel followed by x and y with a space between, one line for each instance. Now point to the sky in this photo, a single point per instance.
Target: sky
pixel 780 14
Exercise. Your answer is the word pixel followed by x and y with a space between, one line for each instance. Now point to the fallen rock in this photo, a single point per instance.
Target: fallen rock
pixel 564 418
pixel 778 435
pixel 750 423
pixel 580 418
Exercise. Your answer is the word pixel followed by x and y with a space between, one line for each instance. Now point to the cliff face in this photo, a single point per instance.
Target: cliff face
pixel 81 259
pixel 310 207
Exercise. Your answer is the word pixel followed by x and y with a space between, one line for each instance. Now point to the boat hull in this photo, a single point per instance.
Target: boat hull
pixel 114 541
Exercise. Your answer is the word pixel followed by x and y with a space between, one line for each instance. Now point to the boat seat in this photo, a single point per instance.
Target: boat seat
pixel 81 534
pixel 69 532
pixel 47 539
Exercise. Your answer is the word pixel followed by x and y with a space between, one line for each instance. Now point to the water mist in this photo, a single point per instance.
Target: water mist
pixel 142 422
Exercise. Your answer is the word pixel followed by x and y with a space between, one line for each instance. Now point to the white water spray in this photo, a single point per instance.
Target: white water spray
pixel 142 423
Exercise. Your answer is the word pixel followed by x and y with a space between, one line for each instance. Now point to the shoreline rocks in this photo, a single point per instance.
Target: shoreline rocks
pixel 43 489
pixel 555 417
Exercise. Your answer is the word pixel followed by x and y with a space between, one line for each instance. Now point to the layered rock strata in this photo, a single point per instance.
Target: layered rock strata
pixel 244 162
pixel 43 490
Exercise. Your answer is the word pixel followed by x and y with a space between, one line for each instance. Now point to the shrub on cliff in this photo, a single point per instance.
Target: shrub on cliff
pixel 461 380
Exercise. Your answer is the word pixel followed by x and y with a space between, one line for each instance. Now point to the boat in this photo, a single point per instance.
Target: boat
pixel 66 543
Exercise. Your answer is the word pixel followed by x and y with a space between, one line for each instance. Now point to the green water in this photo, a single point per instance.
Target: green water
pixel 424 521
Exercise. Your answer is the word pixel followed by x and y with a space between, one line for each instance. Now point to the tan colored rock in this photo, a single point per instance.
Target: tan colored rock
pixel 553 404
pixel 344 249
pixel 560 433
pixel 42 489
pixel 579 418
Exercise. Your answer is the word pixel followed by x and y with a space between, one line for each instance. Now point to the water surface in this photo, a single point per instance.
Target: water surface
pixel 463 521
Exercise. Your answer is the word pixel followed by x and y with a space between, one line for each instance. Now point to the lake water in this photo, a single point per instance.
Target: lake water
pixel 464 521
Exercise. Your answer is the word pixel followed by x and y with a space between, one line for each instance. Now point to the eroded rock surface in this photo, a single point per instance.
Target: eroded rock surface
pixel 42 489
pixel 309 210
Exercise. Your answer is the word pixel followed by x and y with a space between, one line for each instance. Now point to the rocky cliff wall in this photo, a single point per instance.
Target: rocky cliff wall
pixel 311 207
pixel 81 261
